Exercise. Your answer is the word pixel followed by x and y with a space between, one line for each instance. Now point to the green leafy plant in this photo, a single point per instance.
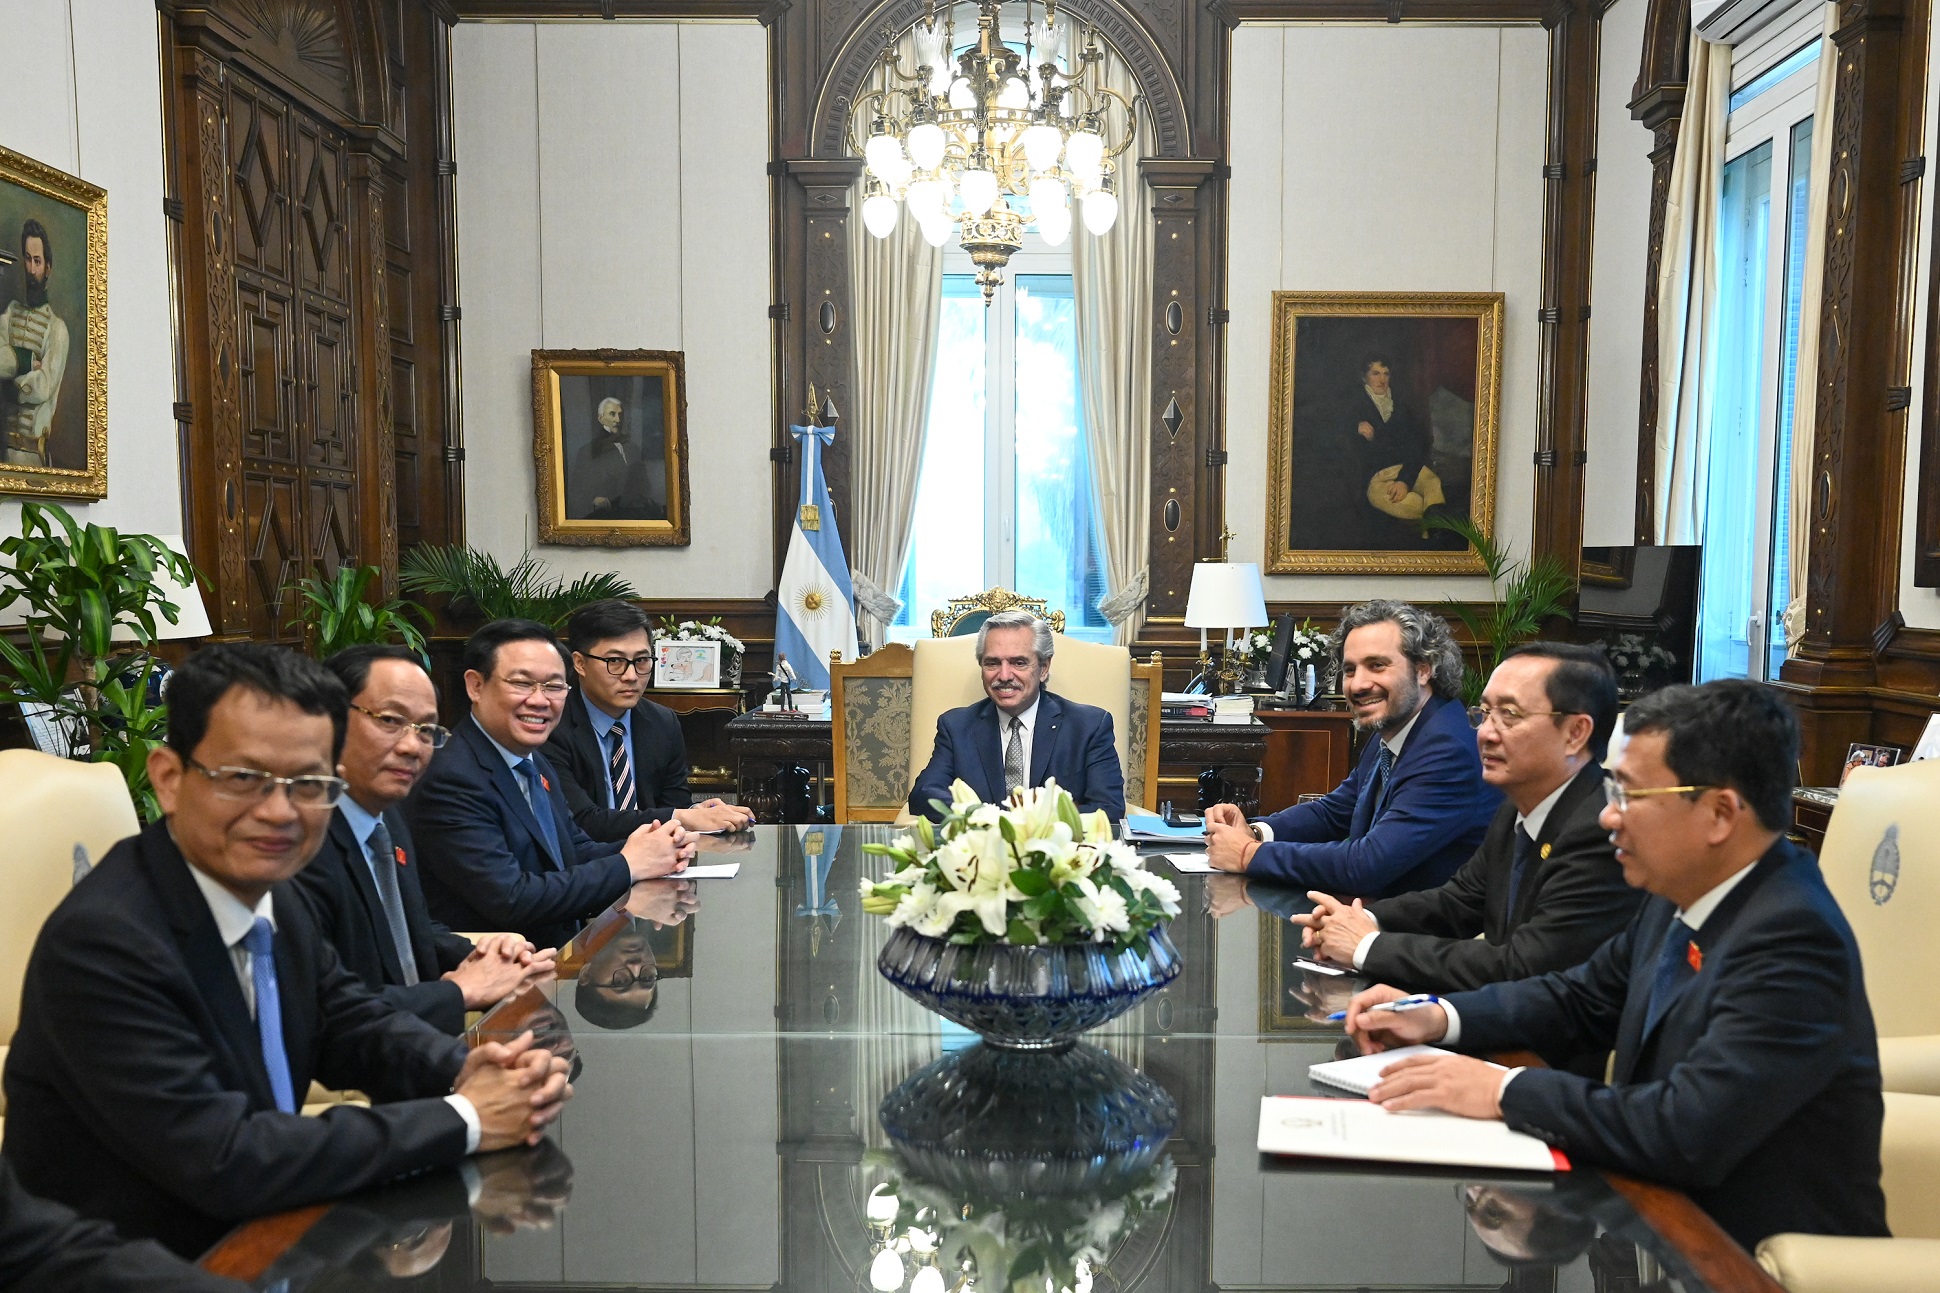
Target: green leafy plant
pixel 74 586
pixel 1522 596
pixel 335 614
pixel 479 586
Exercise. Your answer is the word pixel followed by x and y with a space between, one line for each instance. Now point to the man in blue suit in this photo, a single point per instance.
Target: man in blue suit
pixel 496 837
pixel 1414 808
pixel 1021 734
pixel 1746 1070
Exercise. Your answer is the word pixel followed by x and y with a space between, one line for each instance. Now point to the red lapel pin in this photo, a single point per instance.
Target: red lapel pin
pixel 545 783
pixel 1695 955
pixel 400 854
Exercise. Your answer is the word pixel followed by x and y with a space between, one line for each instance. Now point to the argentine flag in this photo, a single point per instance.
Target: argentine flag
pixel 817 602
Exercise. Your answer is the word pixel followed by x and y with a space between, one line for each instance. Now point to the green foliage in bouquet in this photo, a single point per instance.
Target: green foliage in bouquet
pixel 1030 871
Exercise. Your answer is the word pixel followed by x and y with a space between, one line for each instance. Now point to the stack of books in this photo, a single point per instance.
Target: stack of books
pixel 1179 704
pixel 1232 709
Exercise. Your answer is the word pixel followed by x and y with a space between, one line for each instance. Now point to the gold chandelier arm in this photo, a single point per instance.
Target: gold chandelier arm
pixel 857 115
pixel 1131 121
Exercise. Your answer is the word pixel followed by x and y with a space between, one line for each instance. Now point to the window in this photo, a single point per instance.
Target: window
pixel 1743 581
pixel 1005 495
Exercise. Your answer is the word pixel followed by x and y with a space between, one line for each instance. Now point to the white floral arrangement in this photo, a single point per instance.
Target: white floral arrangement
pixel 699 631
pixel 1029 871
pixel 1630 652
pixel 1252 645
pixel 1306 645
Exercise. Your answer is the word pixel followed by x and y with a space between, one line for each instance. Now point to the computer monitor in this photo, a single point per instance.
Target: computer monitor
pixel 1276 660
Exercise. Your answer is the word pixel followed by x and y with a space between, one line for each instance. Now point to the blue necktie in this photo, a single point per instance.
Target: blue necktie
pixel 1378 792
pixel 541 804
pixel 1674 970
pixel 1518 868
pixel 269 1011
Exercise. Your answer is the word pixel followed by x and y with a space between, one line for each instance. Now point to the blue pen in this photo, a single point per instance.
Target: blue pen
pixel 1401 1003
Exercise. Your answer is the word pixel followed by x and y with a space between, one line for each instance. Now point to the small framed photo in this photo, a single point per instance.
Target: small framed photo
pixel 1859 755
pixel 686 665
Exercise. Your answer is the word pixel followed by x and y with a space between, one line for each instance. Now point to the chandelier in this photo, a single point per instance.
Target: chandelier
pixel 992 139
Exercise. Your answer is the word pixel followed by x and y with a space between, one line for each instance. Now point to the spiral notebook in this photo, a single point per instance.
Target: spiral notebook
pixel 1360 1073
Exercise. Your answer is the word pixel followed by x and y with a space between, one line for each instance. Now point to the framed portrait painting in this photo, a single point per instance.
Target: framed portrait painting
pixel 609 440
pixel 1383 416
pixel 53 331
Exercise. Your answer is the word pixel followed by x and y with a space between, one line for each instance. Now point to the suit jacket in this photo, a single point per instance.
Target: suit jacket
pixel 44 1246
pixel 1071 742
pixel 1435 812
pixel 659 769
pixel 136 1089
pixel 1758 1091
pixel 344 900
pixel 485 863
pixel 1572 898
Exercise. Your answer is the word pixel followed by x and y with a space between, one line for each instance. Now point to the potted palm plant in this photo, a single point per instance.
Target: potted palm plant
pixel 336 613
pixel 1521 596
pixel 480 588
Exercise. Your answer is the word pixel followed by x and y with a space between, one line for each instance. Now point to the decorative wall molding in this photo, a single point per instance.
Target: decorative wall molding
pixel 1657 100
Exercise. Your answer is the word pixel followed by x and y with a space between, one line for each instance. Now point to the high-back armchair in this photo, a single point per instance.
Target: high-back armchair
pixel 869 706
pixel 966 614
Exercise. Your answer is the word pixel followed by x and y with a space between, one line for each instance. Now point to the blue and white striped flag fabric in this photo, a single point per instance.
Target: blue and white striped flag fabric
pixel 816 615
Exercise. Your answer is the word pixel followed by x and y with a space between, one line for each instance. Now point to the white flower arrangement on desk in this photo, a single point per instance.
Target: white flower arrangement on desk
pixel 1030 871
pixel 700 631
pixel 1307 645
pixel 1630 652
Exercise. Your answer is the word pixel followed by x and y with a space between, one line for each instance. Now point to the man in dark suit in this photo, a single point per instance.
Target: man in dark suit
pixel 1544 890
pixel 497 840
pixel 45 1248
pixel 620 756
pixel 1021 734
pixel 179 1000
pixel 1746 1072
pixel 363 882
pixel 1414 808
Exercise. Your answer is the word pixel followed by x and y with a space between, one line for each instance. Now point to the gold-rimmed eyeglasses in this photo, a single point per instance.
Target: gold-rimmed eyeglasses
pixel 396 725
pixel 1508 717
pixel 550 688
pixel 313 791
pixel 1618 796
pixel 617 665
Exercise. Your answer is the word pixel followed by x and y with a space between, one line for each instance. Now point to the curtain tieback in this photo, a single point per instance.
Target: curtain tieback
pixel 872 600
pixel 1127 601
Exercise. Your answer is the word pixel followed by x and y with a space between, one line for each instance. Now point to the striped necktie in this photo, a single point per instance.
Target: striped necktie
pixel 619 768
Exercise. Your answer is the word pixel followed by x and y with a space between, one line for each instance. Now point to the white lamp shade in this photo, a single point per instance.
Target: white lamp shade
pixel 192 617
pixel 879 214
pixel 936 231
pixel 1054 226
pixel 962 97
pixel 928 1280
pixel 883 153
pixel 1042 144
pixel 1047 195
pixel 1226 595
pixel 1085 150
pixel 978 189
pixel 1101 210
pixel 926 145
pixel 926 198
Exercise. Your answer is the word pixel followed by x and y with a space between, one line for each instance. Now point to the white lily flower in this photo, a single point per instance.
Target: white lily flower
pixel 915 907
pixel 1097 827
pixel 961 796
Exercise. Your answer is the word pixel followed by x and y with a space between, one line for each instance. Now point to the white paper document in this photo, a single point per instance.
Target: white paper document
pixel 710 871
pixel 1190 863
pixel 1317 1127
pixel 1362 1071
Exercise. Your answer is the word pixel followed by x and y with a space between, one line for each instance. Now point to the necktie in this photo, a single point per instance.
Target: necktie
pixel 541 805
pixel 383 869
pixel 1015 773
pixel 1518 868
pixel 1674 970
pixel 619 768
pixel 259 942
pixel 1381 775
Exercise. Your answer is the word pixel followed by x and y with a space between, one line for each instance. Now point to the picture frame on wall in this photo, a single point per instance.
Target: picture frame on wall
pixel 1383 414
pixel 609 445
pixel 53 331
pixel 686 666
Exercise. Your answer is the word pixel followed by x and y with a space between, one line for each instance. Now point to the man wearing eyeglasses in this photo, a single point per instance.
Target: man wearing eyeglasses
pixel 1544 891
pixel 1746 1070
pixel 621 756
pixel 496 836
pixel 363 882
pixel 180 1000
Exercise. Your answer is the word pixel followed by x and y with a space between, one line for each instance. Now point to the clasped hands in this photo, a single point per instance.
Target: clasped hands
pixel 517 1087
pixel 1334 929
pixel 498 966
pixel 1230 843
pixel 1458 1084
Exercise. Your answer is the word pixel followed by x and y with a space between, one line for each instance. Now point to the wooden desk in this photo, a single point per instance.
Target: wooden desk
pixel 704 715
pixel 1811 813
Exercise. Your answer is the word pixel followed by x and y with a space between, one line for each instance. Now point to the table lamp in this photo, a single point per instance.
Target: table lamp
pixel 1224 595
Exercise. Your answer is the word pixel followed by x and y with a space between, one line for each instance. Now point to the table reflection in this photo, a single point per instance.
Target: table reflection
pixel 757 1108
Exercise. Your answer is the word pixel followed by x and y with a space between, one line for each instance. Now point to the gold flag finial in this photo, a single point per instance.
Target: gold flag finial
pixel 811 404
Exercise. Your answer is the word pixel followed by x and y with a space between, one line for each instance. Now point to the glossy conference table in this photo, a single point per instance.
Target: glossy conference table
pixel 730 1140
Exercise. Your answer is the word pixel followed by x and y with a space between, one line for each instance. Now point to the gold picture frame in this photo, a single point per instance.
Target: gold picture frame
pixel 592 490
pixel 1332 506
pixel 53 435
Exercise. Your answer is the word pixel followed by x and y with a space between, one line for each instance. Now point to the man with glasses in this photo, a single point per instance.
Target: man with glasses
pixel 1746 1069
pixel 499 845
pixel 363 882
pixel 180 1000
pixel 1544 890
pixel 621 756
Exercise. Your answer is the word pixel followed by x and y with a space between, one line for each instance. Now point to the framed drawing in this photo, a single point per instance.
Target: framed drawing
pixel 53 331
pixel 686 665
pixel 609 439
pixel 1383 414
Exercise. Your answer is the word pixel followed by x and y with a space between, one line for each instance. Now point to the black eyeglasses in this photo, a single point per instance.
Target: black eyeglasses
pixel 314 791
pixel 396 725
pixel 617 665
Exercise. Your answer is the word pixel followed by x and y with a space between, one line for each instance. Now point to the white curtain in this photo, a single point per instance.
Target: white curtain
pixel 1687 297
pixel 1111 279
pixel 1805 406
pixel 896 291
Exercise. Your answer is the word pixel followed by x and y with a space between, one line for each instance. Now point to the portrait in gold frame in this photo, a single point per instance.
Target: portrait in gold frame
pixel 609 444
pixel 1383 412
pixel 53 434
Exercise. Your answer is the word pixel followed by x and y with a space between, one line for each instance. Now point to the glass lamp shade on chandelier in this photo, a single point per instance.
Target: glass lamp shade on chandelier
pixel 987 141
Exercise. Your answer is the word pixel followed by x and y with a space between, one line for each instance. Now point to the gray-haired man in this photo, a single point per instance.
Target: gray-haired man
pixel 1021 734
